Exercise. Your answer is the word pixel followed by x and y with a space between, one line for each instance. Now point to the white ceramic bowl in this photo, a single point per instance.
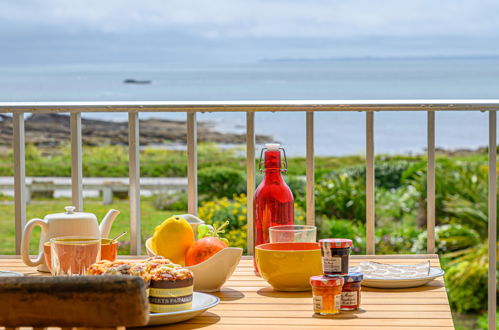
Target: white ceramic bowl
pixel 211 274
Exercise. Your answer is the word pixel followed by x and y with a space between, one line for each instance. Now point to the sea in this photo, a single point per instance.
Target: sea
pixel 336 133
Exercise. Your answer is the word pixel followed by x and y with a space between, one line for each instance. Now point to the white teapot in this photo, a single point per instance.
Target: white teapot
pixel 70 223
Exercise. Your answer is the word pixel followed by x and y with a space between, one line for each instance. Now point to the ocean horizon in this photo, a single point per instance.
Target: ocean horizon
pixel 336 133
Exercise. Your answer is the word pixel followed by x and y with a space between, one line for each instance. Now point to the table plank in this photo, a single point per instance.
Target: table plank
pixel 187 326
pixel 247 301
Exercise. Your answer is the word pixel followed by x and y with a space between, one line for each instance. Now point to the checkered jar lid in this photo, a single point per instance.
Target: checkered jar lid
pixel 320 280
pixel 336 242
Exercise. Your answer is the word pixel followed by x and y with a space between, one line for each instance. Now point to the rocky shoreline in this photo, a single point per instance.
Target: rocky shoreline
pixel 52 130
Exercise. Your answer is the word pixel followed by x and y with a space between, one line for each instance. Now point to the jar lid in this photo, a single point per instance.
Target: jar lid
pixel 336 242
pixel 353 277
pixel 320 280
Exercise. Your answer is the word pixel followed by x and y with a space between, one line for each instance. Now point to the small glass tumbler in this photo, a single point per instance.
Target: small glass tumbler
pixel 292 233
pixel 73 255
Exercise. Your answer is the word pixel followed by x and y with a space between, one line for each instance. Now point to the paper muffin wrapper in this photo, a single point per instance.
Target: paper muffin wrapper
pixel 163 300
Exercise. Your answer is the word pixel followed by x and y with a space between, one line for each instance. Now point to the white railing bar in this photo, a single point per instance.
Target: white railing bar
pixel 310 169
pixel 192 164
pixel 134 189
pixel 370 211
pixel 492 283
pixel 19 178
pixel 253 106
pixel 430 185
pixel 76 161
pixel 250 178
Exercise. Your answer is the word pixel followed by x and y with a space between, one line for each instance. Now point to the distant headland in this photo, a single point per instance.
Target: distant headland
pixel 51 130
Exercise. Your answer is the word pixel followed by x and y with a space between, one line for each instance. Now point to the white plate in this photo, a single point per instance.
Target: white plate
pixel 9 273
pixel 385 283
pixel 200 303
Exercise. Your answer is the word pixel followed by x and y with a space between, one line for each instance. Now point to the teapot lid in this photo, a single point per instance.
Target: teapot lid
pixel 70 214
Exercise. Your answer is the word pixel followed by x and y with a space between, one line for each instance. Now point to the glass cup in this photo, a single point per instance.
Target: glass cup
pixel 292 233
pixel 73 255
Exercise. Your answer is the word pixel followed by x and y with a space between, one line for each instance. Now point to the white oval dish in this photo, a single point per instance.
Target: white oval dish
pixel 210 275
pixel 387 283
pixel 200 303
pixel 10 273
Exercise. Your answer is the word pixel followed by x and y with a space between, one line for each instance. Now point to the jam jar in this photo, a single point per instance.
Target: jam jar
pixel 335 255
pixel 350 294
pixel 327 294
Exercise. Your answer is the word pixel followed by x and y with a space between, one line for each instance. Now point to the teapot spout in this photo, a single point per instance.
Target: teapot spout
pixel 107 222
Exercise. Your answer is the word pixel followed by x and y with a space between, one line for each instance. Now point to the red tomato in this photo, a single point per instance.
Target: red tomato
pixel 203 249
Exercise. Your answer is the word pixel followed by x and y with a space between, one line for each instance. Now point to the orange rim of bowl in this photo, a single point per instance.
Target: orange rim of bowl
pixel 289 246
pixel 104 241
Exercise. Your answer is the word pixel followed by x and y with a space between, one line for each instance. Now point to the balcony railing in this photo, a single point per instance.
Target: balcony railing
pixel 370 107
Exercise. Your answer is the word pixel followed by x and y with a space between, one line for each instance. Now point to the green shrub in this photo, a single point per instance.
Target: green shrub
pixel 388 174
pixel 218 211
pixel 170 201
pixel 342 197
pixel 298 186
pixel 395 239
pixel 466 295
pixel 452 177
pixel 448 238
pixel 217 182
pixel 328 228
pixel 396 205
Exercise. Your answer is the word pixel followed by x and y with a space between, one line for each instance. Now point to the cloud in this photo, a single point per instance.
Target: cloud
pixel 226 19
pixel 242 31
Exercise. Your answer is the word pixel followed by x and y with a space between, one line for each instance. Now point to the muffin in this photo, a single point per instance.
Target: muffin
pixel 99 268
pixel 139 269
pixel 119 268
pixel 170 289
pixel 155 262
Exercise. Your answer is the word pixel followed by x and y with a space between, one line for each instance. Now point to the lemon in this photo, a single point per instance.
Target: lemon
pixel 172 239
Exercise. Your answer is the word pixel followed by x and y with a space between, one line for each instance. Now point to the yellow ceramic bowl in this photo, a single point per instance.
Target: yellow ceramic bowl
pixel 289 266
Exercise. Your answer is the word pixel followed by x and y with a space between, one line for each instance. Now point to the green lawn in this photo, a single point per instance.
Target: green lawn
pixel 150 218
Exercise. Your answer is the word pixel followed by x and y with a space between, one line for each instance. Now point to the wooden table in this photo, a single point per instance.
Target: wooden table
pixel 247 302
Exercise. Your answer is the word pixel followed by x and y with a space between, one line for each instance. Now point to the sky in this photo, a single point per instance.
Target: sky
pixel 57 31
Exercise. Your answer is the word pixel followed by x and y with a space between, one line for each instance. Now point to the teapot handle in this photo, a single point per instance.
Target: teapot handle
pixel 25 242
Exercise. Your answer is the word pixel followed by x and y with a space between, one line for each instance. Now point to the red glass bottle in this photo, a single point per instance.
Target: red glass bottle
pixel 273 202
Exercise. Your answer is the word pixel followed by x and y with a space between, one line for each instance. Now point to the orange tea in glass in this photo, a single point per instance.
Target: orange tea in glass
pixel 73 255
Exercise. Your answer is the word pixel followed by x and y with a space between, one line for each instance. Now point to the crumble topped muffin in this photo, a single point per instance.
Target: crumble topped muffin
pixel 170 285
pixel 119 268
pixel 99 267
pixel 170 289
pixel 139 269
pixel 155 262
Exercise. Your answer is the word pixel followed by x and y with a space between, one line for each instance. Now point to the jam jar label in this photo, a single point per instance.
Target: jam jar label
pixel 318 302
pixel 337 301
pixel 332 264
pixel 349 298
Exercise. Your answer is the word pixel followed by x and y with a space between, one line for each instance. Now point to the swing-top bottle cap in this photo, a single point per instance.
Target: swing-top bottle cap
pixel 272 146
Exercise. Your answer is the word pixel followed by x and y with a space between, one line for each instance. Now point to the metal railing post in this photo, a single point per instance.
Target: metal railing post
pixel 192 164
pixel 250 178
pixel 19 178
pixel 76 161
pixel 430 185
pixel 134 175
pixel 492 227
pixel 370 210
pixel 310 169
